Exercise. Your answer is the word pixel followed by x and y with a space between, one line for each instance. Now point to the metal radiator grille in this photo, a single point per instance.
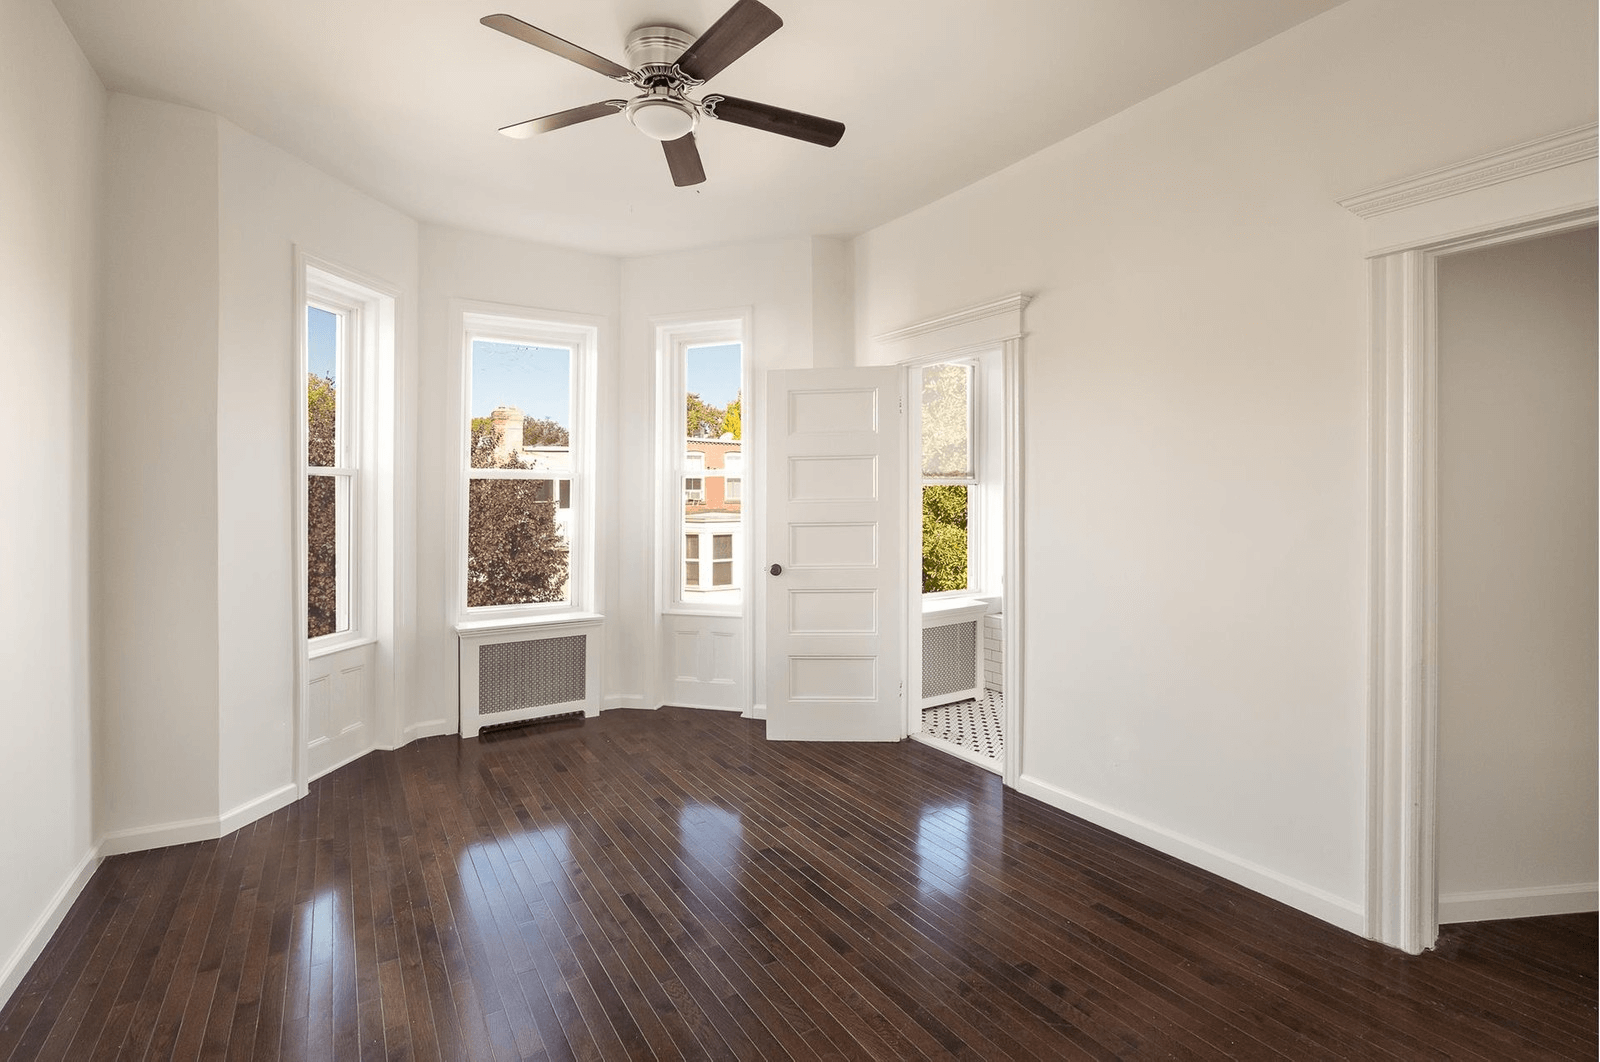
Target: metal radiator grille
pixel 530 674
pixel 948 658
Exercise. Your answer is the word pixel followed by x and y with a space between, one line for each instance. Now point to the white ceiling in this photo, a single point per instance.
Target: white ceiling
pixel 402 99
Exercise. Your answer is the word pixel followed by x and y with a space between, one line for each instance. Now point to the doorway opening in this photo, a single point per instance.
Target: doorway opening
pixel 956 699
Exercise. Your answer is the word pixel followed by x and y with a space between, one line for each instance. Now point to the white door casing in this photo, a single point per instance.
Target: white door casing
pixel 836 530
pixel 1543 186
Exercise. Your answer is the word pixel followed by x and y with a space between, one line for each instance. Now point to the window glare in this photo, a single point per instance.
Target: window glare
pixel 946 421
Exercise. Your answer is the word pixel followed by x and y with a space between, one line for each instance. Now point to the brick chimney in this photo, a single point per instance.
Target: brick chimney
pixel 507 433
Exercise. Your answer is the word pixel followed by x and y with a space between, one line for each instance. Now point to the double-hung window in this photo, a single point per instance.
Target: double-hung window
pixel 949 478
pixel 702 429
pixel 333 455
pixel 526 441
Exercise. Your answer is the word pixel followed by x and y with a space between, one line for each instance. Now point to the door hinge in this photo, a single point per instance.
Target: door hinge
pixel 902 401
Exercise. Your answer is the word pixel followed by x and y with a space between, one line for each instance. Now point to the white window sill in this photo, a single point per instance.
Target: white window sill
pixel 479 628
pixel 733 612
pixel 317 650
pixel 936 612
pixel 958 599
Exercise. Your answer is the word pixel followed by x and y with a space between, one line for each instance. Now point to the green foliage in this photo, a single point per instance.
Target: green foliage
pixel 542 431
pixel 944 538
pixel 515 554
pixel 322 533
pixel 702 420
pixel 733 417
pixel 483 441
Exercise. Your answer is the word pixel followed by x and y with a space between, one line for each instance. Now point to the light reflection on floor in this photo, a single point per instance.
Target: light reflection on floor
pixel 944 849
pixel 712 836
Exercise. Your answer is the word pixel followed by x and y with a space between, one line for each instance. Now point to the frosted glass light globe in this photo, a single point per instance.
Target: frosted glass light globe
pixel 661 119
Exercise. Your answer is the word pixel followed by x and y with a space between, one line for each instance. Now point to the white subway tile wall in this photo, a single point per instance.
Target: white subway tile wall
pixel 994 668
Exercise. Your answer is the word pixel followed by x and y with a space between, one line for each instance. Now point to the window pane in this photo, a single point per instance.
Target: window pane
pixel 517 553
pixel 322 385
pixel 713 428
pixel 565 500
pixel 327 555
pixel 714 403
pixel 521 406
pixel 946 421
pixel 944 537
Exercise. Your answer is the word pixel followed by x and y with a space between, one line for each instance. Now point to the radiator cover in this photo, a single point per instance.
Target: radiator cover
pixel 528 673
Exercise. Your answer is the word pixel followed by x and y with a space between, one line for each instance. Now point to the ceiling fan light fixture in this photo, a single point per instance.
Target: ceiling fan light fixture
pixel 662 118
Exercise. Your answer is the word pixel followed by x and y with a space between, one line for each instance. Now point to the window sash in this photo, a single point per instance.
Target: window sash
pixel 344 471
pixel 569 489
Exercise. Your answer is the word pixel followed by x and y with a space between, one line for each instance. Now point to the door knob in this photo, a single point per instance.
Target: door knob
pixel 776 569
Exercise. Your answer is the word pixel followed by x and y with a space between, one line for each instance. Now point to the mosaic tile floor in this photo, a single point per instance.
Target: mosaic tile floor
pixel 976 726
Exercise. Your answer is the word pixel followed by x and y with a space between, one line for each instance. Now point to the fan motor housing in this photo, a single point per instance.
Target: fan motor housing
pixel 653 49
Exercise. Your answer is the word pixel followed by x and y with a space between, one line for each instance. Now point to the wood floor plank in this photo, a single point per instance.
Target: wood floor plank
pixel 670 885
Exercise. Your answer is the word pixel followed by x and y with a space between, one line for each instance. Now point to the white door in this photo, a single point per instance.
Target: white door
pixel 834 562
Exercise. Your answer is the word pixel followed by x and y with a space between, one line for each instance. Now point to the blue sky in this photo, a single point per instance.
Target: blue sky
pixel 713 373
pixel 537 380
pixel 321 341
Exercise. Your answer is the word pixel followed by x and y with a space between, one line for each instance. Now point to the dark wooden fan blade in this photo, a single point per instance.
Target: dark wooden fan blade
pixel 683 159
pixel 562 119
pixel 741 27
pixel 515 27
pixel 764 116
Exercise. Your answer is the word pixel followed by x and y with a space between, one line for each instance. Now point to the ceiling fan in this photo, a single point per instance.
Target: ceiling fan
pixel 667 65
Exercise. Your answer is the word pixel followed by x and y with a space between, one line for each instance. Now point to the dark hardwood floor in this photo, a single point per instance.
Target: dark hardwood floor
pixel 671 885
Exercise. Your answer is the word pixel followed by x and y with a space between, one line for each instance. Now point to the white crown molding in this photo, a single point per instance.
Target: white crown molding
pixel 1535 156
pixel 1011 304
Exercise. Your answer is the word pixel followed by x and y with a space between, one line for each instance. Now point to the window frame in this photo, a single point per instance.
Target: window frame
pixel 674 337
pixel 534 327
pixel 356 344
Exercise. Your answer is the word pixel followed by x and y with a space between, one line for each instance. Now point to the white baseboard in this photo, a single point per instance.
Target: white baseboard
pixel 21 960
pixel 259 808
pixel 622 700
pixel 1519 903
pixel 757 711
pixel 1297 894
pixel 430 728
pixel 166 834
pixel 951 749
pixel 161 835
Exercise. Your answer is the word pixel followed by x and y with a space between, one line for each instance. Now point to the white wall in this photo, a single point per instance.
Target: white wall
pixel 793 290
pixel 269 203
pixel 1517 577
pixel 155 470
pixel 1194 403
pixel 195 473
pixel 472 266
pixel 51 112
